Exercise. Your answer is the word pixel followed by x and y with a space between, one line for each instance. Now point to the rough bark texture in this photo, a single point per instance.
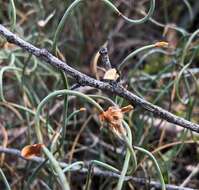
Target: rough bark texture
pixel 85 80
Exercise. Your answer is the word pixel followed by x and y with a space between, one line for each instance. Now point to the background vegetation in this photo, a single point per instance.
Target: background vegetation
pixel 70 125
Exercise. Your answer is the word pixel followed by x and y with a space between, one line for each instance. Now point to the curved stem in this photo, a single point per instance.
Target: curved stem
pixel 131 55
pixel 78 163
pixel 128 142
pixel 5 180
pixel 63 182
pixel 54 94
pixel 13 13
pixel 124 170
pixel 130 152
pixel 1 78
pixel 109 4
pixel 104 165
pixel 147 16
pixel 155 163
pixel 185 50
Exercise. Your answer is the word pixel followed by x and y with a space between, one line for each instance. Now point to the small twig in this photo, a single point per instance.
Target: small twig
pixel 85 80
pixel 191 175
pixel 105 58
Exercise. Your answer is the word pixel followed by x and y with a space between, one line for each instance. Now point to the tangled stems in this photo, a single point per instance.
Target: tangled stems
pixel 131 55
pixel 63 129
pixel 185 50
pixel 184 66
pixel 54 94
pixel 98 163
pixel 111 6
pixel 128 141
pixel 155 163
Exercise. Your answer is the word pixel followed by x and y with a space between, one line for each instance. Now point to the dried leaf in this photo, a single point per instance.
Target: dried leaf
pixel 111 74
pixel 8 45
pixel 127 109
pixel 31 150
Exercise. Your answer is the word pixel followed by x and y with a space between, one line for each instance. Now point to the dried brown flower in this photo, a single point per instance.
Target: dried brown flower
pixel 114 116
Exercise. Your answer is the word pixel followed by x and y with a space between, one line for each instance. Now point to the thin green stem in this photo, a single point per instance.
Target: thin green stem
pixel 128 141
pixel 13 13
pixel 63 182
pixel 5 180
pixel 130 152
pixel 131 55
pixel 54 94
pixel 63 129
pixel 124 170
pixel 155 163
pixel 104 165
pixel 109 4
pixel 6 68
pixel 79 163
pixel 185 50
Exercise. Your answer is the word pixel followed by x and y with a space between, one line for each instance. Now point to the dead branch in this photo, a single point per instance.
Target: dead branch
pixel 85 80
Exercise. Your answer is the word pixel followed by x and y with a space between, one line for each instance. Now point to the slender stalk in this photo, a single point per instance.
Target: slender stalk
pixel 155 163
pixel 54 94
pixel 130 152
pixel 4 69
pixel 4 179
pixel 185 50
pixel 124 170
pixel 98 163
pixel 75 164
pixel 131 55
pixel 63 182
pixel 128 141
pixel 104 165
pixel 13 21
pixel 110 5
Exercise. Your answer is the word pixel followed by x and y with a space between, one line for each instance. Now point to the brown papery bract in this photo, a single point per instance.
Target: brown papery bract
pixel 114 116
pixel 31 150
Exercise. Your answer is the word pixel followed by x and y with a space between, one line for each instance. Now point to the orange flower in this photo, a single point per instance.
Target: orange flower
pixel 31 150
pixel 114 116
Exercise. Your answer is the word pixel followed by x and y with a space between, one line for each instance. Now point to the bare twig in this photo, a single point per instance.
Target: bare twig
pixel 191 175
pixel 85 80
pixel 97 171
pixel 105 58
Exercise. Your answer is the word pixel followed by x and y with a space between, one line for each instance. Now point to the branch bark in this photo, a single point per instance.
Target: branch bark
pixel 85 80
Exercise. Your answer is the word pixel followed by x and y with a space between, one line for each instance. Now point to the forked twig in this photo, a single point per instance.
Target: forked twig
pixel 85 80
